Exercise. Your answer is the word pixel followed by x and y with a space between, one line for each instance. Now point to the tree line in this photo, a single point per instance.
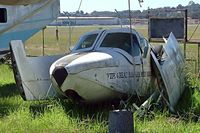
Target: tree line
pixel 192 7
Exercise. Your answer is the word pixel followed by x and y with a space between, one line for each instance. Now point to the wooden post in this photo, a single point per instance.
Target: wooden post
pixel 198 57
pixel 43 41
pixel 121 122
pixel 149 27
pixel 57 36
pixel 186 30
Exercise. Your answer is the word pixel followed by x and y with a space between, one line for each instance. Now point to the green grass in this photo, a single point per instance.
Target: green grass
pixel 17 115
pixel 51 120
pixel 164 124
pixel 21 116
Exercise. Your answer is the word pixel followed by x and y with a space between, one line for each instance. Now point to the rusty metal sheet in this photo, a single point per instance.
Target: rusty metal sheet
pixel 171 69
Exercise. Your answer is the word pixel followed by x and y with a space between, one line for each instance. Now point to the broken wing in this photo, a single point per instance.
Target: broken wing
pixel 171 70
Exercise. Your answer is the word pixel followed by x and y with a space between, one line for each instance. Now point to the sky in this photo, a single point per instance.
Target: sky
pixel 111 5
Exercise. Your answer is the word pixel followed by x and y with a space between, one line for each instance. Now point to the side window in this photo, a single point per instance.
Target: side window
pixel 86 41
pixel 3 15
pixel 136 47
pixel 122 41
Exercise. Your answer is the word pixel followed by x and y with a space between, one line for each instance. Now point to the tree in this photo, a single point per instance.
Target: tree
pixel 191 3
pixel 180 6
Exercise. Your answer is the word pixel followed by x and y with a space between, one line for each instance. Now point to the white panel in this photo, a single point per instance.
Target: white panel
pixel 34 73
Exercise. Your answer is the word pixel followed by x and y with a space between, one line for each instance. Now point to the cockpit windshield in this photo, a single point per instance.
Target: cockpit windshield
pixel 86 41
pixel 122 41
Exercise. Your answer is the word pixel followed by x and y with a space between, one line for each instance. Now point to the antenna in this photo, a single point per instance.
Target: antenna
pixel 70 26
pixel 118 15
pixel 80 5
pixel 129 9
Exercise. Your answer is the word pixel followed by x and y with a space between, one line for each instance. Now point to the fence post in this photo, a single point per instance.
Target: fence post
pixel 198 56
pixel 43 40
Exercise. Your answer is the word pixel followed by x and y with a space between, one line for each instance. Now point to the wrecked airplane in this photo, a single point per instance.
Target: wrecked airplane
pixel 103 65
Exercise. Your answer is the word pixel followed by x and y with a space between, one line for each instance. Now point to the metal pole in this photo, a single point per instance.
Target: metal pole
pixel 131 38
pixel 130 24
pixel 129 9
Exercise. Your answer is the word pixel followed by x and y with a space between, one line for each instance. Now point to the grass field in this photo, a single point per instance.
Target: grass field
pixel 53 116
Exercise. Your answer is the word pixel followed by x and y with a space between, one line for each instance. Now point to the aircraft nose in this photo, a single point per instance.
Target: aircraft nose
pixel 60 74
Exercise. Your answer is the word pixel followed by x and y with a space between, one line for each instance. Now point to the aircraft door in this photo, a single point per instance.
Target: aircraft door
pixel 131 76
pixel 141 72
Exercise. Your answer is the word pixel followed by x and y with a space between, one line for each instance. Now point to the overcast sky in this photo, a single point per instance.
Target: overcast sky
pixel 111 5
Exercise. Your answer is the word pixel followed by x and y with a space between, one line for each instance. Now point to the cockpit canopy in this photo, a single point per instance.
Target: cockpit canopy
pixel 132 43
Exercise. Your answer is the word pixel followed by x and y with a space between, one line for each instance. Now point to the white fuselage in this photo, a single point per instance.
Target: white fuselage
pixel 99 73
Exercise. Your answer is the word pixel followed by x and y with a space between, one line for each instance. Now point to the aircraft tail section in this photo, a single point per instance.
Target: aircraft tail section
pixel 20 22
pixel 32 73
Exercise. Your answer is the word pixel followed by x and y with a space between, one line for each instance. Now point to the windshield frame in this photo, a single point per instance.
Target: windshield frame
pixel 75 49
pixel 123 30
